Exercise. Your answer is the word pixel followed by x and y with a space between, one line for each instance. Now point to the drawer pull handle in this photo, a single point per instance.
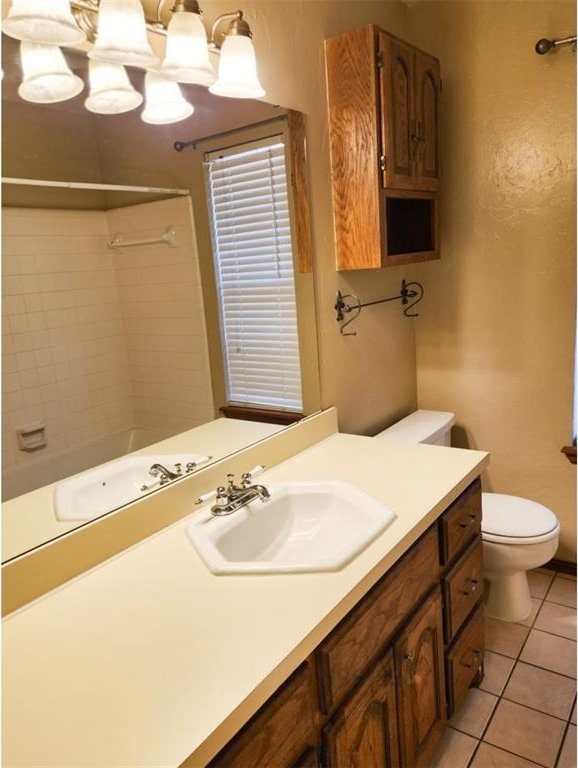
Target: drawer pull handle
pixel 467 521
pixel 472 588
pixel 475 661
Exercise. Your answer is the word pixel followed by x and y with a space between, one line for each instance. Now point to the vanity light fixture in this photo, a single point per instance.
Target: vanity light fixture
pixel 121 35
pixel 238 65
pixel 118 31
pixel 187 53
pixel 47 78
pixel 111 92
pixel 43 21
pixel 164 102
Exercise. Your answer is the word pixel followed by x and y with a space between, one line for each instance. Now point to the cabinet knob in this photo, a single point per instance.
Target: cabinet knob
pixel 465 522
pixel 408 657
pixel 473 585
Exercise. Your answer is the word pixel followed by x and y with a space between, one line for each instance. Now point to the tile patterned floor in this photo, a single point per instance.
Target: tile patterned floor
pixel 524 713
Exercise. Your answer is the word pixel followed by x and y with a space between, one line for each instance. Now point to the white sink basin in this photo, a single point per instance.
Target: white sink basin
pixel 317 526
pixel 111 485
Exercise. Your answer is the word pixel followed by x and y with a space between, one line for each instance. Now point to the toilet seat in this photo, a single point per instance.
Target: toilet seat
pixel 514 520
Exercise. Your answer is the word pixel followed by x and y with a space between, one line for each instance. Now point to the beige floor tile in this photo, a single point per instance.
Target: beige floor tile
pixel 550 652
pixel 539 582
pixel 474 713
pixel 562 591
pixel 573 715
pixel 557 619
pixel 492 757
pixel 505 637
pixel 536 603
pixel 454 751
pixel 568 754
pixel 496 671
pixel 540 689
pixel 527 733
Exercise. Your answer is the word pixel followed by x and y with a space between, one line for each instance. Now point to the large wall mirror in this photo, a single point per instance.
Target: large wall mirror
pixel 112 340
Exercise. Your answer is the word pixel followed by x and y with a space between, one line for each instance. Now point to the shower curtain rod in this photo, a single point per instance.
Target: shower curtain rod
pixel 95 187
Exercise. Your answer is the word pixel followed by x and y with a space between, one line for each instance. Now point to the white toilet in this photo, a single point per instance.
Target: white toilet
pixel 517 534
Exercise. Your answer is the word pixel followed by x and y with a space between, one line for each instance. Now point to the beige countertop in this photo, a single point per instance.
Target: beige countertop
pixel 150 658
pixel 29 520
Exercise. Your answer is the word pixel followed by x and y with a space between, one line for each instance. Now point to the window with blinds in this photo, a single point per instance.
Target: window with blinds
pixel 251 231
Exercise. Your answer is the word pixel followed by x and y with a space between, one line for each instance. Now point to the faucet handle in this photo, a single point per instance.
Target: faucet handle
pixel 178 468
pixel 247 477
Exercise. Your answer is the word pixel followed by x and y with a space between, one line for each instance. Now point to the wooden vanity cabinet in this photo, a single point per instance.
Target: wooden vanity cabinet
pixel 363 732
pixel 419 666
pixel 376 693
pixel 383 100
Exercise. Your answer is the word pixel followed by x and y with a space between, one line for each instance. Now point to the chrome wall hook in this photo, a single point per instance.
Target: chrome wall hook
pixel 412 290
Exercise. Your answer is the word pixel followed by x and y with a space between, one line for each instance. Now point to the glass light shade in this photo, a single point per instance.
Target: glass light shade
pixel 122 34
pixel 187 54
pixel 111 92
pixel 47 78
pixel 238 70
pixel 43 21
pixel 164 101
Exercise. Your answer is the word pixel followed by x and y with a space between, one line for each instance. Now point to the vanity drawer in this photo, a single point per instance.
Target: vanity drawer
pixel 461 522
pixel 463 586
pixel 360 637
pixel 281 733
pixel 465 661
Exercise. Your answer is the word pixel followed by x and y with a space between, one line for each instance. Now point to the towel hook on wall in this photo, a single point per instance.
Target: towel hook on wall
pixel 544 45
pixel 405 294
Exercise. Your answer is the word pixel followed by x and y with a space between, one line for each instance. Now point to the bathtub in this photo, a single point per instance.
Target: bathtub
pixel 33 474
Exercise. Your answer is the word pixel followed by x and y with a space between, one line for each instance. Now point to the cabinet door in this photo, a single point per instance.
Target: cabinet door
pixel 397 94
pixel 425 133
pixel 419 667
pixel 363 732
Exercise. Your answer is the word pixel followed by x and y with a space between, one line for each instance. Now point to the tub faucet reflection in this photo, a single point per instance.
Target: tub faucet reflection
pixel 165 475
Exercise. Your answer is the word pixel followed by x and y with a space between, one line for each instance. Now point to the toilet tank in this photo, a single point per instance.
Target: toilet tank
pixel 433 427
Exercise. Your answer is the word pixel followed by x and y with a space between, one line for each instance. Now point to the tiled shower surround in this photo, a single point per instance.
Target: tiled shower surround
pixel 96 340
pixel 524 713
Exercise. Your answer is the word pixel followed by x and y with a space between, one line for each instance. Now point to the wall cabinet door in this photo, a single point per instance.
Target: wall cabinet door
pixel 419 668
pixel 363 733
pixel 397 97
pixel 410 90
pixel 425 133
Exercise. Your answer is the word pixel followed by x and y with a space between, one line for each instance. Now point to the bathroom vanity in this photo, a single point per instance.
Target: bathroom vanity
pixel 377 691
pixel 150 659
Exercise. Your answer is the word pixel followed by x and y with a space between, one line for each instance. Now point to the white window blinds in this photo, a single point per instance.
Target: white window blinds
pixel 254 271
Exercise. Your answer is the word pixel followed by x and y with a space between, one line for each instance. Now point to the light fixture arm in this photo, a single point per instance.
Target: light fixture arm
pixel 237 27
pixel 187 6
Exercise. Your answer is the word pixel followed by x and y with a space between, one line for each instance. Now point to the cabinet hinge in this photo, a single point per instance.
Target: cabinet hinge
pixel 382 163
pixel 379 59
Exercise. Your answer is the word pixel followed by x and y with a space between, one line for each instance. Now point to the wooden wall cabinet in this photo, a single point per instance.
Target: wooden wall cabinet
pixel 383 98
pixel 377 692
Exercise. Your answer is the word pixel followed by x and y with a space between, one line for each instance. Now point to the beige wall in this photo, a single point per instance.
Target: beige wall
pixel 161 305
pixel 495 339
pixel 64 357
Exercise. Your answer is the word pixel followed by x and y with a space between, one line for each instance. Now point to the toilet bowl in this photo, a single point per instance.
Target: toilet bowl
pixel 518 535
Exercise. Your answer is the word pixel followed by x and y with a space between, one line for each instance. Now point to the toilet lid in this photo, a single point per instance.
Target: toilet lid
pixel 514 517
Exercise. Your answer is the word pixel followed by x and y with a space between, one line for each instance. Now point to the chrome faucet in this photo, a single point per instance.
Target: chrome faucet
pixel 157 470
pixel 231 498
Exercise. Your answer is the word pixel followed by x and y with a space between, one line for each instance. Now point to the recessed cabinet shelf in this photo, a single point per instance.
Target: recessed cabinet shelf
pixel 383 97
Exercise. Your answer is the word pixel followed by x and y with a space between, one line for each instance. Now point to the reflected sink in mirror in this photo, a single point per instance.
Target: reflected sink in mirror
pixel 103 489
pixel 303 527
